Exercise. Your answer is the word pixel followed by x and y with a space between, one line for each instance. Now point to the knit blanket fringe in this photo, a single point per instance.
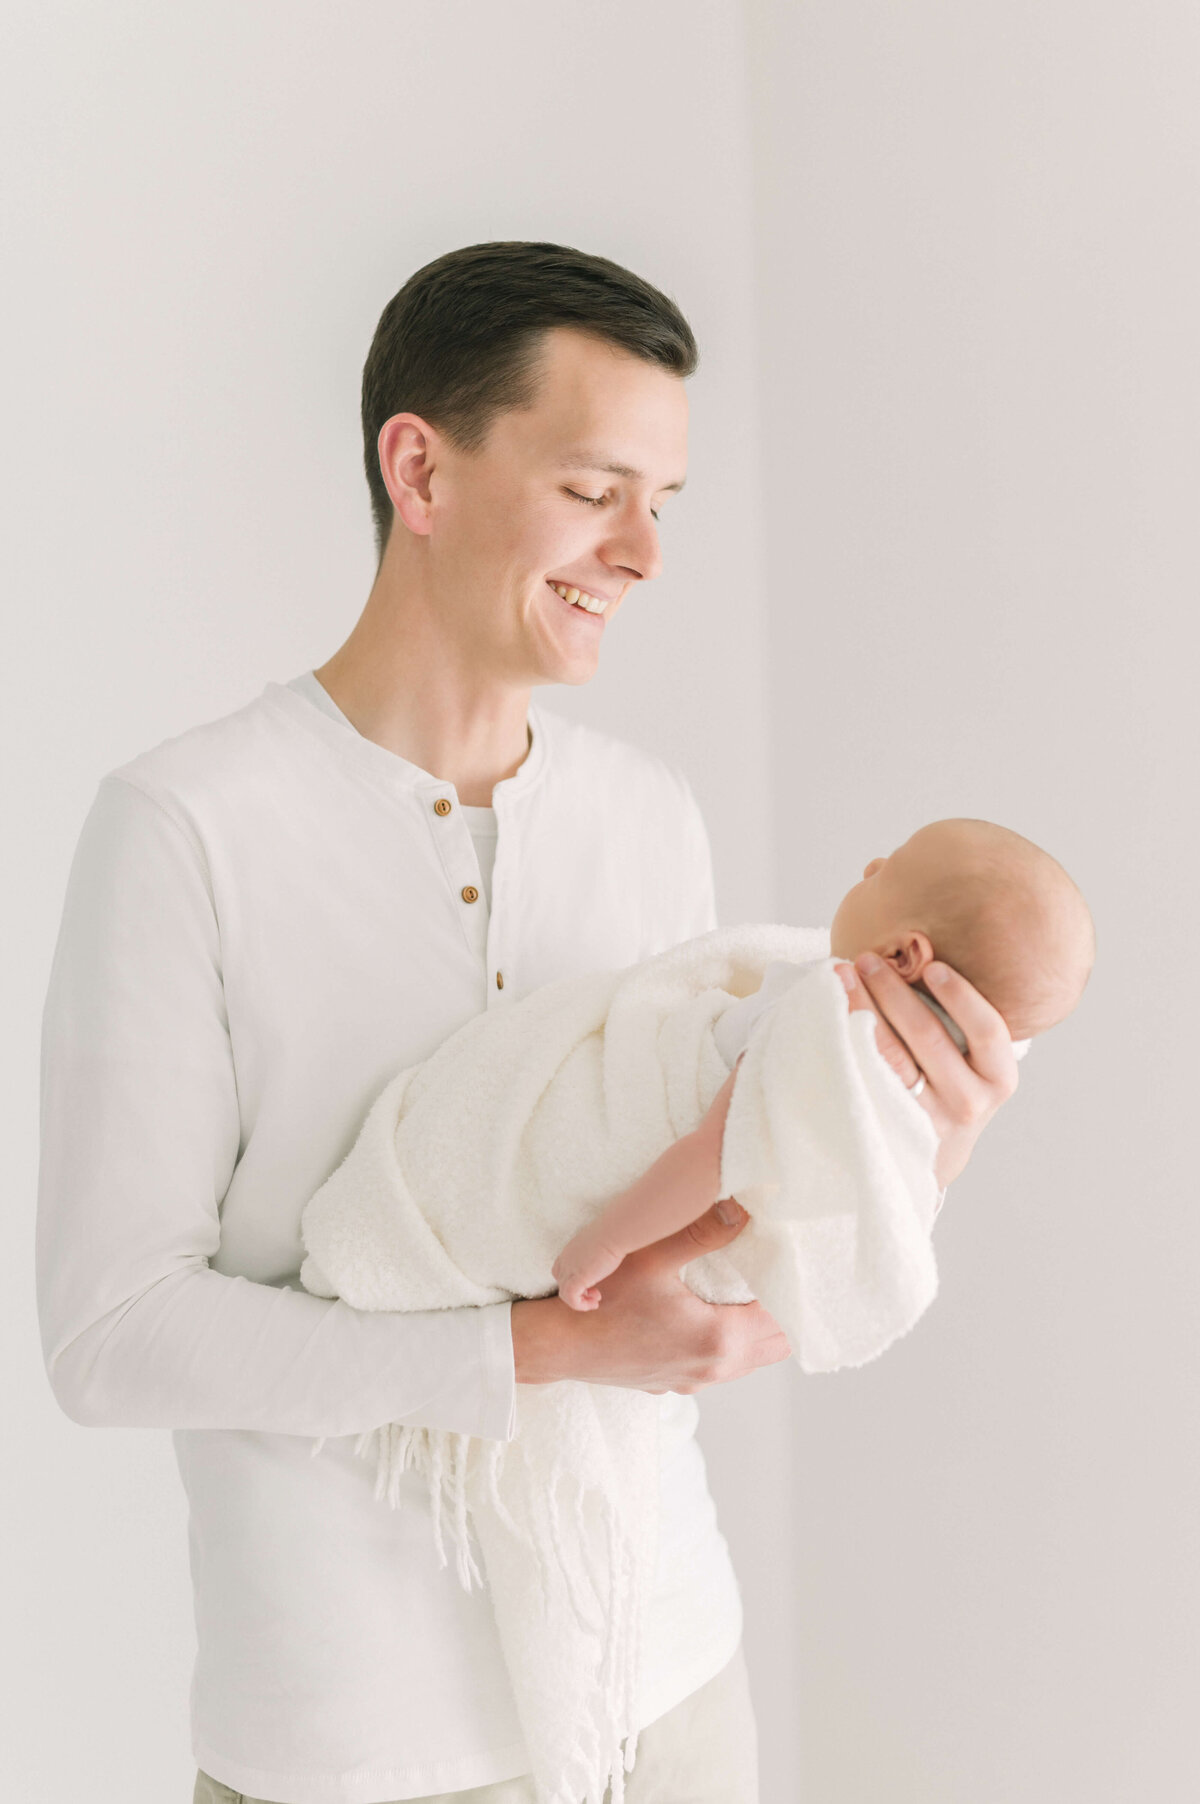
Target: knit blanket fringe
pixel 603 1595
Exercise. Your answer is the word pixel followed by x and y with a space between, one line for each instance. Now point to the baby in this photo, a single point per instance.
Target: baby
pixel 980 898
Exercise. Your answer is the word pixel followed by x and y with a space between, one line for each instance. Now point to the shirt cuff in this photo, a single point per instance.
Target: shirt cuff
pixel 498 1373
pixel 473 1387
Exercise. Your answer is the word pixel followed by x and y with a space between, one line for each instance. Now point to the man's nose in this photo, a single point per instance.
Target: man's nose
pixel 634 551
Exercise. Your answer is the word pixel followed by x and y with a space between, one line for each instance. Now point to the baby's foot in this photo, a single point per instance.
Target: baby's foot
pixel 579 1268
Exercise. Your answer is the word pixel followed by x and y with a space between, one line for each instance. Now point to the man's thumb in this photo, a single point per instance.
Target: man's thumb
pixel 715 1228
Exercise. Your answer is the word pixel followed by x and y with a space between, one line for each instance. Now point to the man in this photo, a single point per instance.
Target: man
pixel 270 915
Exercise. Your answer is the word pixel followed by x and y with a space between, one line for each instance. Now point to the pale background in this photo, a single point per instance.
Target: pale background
pixel 938 554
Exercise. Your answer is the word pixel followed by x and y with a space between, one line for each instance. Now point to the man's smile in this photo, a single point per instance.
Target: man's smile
pixel 579 598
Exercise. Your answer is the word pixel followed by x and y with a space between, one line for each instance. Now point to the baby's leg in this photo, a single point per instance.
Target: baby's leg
pixel 677 1188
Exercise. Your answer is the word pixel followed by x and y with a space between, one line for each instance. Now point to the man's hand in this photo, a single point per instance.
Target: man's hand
pixel 962 1091
pixel 651 1333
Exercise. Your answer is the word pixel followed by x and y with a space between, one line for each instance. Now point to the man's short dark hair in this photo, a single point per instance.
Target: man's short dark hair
pixel 459 343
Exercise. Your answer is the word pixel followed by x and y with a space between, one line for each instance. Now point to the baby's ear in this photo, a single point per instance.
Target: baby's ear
pixel 909 953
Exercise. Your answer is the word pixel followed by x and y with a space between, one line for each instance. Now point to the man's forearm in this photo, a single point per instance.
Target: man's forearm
pixel 201 1350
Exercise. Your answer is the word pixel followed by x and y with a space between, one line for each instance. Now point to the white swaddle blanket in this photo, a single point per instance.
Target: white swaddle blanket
pixel 472 1171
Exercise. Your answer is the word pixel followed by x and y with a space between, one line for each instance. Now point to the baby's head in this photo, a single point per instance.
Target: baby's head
pixel 982 899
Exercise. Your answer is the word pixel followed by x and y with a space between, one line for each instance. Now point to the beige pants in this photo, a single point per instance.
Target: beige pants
pixel 702 1752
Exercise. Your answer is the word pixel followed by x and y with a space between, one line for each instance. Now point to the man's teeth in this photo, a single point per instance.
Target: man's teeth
pixel 579 598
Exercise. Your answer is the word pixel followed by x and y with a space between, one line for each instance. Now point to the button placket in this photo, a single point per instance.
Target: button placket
pixel 505 852
pixel 456 849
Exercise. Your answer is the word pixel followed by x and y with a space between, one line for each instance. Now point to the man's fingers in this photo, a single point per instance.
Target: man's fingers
pixel 989 1044
pixel 756 1339
pixel 856 996
pixel 963 1091
pixel 862 995
pixel 766 1330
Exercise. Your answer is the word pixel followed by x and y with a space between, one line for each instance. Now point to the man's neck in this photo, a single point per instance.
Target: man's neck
pixel 401 684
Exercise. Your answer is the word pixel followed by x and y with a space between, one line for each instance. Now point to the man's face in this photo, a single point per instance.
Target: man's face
pixel 563 495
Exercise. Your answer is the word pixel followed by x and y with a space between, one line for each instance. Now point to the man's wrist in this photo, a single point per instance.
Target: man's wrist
pixel 540 1327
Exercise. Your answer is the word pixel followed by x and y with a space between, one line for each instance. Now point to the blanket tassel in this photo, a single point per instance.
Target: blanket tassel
pixel 600 1758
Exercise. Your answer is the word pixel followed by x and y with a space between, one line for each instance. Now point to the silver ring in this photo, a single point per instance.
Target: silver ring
pixel 916 1089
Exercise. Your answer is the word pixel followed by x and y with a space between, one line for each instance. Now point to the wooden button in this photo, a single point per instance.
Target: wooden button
pixel 499 980
pixel 441 806
pixel 470 893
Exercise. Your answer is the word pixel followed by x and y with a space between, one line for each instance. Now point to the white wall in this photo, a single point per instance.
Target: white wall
pixel 970 1572
pixel 979 275
pixel 210 206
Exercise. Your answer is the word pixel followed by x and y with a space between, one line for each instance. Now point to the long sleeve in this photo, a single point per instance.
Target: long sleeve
pixel 140 1135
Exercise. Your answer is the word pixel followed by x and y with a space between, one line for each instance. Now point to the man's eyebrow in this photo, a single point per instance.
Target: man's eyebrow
pixel 583 460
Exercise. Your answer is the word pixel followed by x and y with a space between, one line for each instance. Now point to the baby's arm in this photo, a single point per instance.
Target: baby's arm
pixel 677 1188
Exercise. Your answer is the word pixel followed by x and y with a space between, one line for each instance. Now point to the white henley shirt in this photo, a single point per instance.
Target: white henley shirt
pixel 267 918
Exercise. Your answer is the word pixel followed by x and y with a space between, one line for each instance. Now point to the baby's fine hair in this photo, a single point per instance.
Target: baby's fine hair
pixel 1007 916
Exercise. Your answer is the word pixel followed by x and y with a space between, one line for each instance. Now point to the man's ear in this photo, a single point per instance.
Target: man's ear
pixel 406 447
pixel 908 952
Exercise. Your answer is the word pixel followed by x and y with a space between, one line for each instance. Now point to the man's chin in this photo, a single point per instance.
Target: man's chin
pixel 575 675
pixel 572 670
